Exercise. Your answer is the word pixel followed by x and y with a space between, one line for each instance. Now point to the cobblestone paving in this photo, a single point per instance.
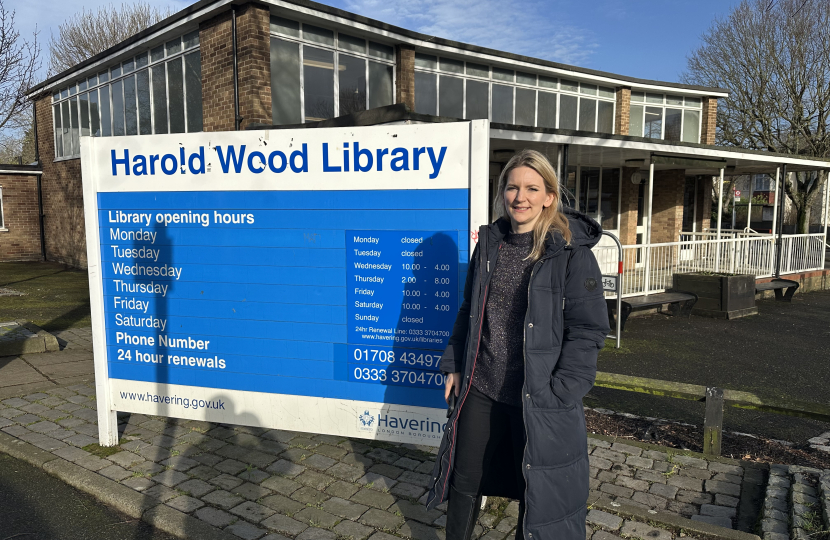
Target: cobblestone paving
pixel 255 482
pixel 78 339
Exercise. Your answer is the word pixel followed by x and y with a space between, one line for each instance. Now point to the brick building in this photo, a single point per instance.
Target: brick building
pixel 20 238
pixel 635 154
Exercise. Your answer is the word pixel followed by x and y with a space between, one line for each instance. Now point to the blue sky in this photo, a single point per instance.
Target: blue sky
pixel 649 39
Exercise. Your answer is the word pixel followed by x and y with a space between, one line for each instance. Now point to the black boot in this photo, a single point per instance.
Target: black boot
pixel 462 513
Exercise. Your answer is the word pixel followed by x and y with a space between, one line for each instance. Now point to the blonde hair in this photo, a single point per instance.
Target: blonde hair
pixel 551 219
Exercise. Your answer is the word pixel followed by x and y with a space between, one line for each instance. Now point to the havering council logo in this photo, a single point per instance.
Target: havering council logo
pixel 366 419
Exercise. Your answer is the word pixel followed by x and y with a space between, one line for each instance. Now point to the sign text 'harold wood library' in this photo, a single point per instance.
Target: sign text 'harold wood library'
pixel 297 279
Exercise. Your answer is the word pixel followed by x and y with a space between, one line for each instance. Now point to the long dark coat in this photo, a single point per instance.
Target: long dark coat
pixel 565 326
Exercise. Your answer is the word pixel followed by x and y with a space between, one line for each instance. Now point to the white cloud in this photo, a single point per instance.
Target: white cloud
pixel 528 27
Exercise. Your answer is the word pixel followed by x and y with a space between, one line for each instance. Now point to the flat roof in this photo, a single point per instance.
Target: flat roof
pixel 204 9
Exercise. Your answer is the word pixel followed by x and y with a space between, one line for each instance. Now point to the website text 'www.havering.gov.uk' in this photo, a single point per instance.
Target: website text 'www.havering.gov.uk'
pixel 187 403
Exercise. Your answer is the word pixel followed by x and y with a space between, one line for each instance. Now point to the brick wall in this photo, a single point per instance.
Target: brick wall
pixel 254 59
pixel 63 200
pixel 21 242
pixel 217 73
pixel 622 116
pixel 709 121
pixel 628 208
pixel 704 203
pixel 667 206
pixel 405 75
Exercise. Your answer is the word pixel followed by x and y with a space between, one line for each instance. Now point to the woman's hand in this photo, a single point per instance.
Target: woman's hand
pixel 453 384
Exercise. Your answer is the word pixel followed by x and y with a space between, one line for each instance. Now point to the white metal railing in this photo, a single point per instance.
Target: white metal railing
pixel 650 268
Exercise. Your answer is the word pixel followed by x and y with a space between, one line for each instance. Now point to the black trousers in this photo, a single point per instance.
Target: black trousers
pixel 482 425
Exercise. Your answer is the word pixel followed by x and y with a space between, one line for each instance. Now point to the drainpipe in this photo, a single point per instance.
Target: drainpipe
pixel 563 175
pixel 39 185
pixel 780 240
pixel 237 118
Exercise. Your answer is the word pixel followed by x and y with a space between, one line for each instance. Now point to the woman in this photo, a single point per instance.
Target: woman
pixel 522 355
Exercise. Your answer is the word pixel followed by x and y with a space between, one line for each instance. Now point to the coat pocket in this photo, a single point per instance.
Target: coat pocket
pixel 555 437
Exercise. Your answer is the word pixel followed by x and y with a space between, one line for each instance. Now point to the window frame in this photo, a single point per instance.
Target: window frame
pixel 578 188
pixel 663 106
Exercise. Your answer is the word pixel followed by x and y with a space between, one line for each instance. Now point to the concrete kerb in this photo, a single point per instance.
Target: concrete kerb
pixel 112 493
pixel 49 341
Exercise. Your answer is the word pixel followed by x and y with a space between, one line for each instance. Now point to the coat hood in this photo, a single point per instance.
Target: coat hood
pixel 584 230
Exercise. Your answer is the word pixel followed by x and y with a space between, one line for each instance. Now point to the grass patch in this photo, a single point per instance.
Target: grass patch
pixel 56 297
pixel 101 451
pixel 610 347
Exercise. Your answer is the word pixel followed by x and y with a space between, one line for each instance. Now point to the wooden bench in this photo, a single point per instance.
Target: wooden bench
pixel 680 305
pixel 784 289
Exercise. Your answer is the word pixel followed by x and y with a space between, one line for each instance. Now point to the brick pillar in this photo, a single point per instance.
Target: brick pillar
pixel 622 116
pixel 667 206
pixel 217 73
pixel 709 121
pixel 704 203
pixel 628 208
pixel 405 75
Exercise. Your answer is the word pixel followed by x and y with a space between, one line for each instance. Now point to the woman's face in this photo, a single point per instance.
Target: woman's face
pixel 525 197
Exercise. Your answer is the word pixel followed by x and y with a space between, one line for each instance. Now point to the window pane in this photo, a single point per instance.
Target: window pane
pixel 58 132
pixel 635 128
pixel 128 66
pixel 500 74
pixel 477 100
pixel 674 100
pixel 382 51
pixel 587 114
pixel 673 121
pixel 607 92
pixel 547 110
pixel 526 78
pixel 84 115
pixel 380 85
pixel 320 35
pixel 589 89
pixel 318 71
pixel 691 126
pixel 145 126
pixel 610 197
pixel 65 92
pixel 352 73
pixel 569 86
pixel 173 46
pixel 654 98
pixel 193 94
pixel 478 70
pixel 73 115
pixel 94 114
pixel 653 125
pixel 453 66
pixel 159 99
pixel 82 85
pixel 65 129
pixel 93 81
pixel 567 111
pixel 693 102
pixel 118 108
pixel 115 72
pixel 56 96
pixel 589 191
pixel 525 107
pixel 548 82
pixel 285 82
pixel 73 89
pixel 426 61
pixel 131 121
pixel 451 100
pixel 638 97
pixel 605 117
pixel 106 120
pixel 426 93
pixel 191 39
pixel 103 77
pixel 502 103
pixel 285 26
pixel 175 95
pixel 351 43
pixel 157 53
pixel 141 61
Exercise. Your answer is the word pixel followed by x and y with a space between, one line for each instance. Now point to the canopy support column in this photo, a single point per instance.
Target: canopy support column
pixel 647 268
pixel 720 220
pixel 779 203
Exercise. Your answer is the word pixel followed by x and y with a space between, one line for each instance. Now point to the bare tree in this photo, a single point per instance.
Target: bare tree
pixel 774 57
pixel 87 33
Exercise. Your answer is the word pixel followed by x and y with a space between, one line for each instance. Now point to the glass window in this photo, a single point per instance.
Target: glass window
pixel 500 74
pixel 285 82
pixel 380 85
pixel 674 119
pixel 145 125
pixel 567 111
pixel 502 104
pixel 478 70
pixel 351 43
pixel 547 110
pixel 193 84
pixel 65 92
pixel 118 108
pixel 73 89
pixel 477 99
pixel 674 100
pixel 691 126
pixel 115 72
pixel 65 129
pixel 568 187
pixel 82 85
pixel 285 26
pixel 525 107
pixel 106 119
pixel 131 121
pixel 159 98
pixel 526 78
pixel 352 72
pixel 56 96
pixel 58 131
pixel 379 50
pixel 638 97
pixel 84 115
pixel 94 114
pixel 636 126
pixel 103 77
pixel 609 205
pixel 693 102
pixel 141 61
pixel 425 61
pixel 191 39
pixel 93 81
pixel 587 114
pixel 128 66
pixel 569 86
pixel 451 98
pixel 73 115
pixel 426 93
pixel 588 89
pixel 157 53
pixel 175 95
pixel 653 124
pixel 548 82
pixel 605 117
pixel 320 35
pixel 654 98
pixel 173 46
pixel 607 92
pixel 318 90
pixel 589 191
pixel 452 66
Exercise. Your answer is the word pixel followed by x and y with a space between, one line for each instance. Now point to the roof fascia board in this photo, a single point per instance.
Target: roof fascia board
pixel 118 50
pixel 510 134
pixel 490 58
